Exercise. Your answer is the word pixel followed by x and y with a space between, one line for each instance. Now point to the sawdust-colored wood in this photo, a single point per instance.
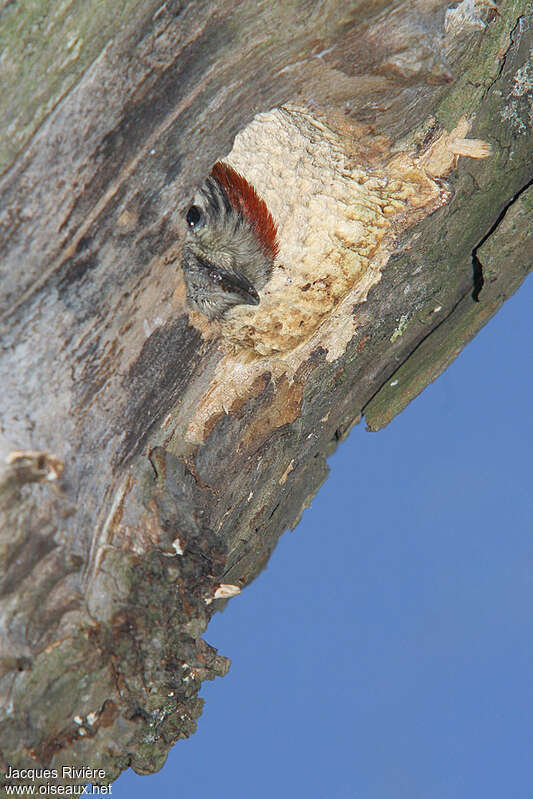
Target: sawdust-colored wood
pixel 116 526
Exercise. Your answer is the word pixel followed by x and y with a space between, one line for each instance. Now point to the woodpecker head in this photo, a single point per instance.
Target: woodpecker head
pixel 230 245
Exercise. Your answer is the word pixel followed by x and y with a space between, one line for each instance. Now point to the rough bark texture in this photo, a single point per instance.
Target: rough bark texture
pixel 117 524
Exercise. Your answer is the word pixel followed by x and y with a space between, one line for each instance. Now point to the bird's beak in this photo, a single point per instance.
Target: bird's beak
pixel 231 282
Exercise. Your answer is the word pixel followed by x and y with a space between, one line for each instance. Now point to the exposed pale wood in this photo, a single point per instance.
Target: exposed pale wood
pixel 119 524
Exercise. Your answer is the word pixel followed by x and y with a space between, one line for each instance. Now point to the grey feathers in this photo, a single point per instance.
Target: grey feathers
pixel 224 262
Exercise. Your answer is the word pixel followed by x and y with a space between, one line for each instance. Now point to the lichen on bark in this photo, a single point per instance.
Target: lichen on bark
pixel 110 568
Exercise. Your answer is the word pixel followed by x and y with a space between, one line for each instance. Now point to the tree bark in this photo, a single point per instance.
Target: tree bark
pixel 152 459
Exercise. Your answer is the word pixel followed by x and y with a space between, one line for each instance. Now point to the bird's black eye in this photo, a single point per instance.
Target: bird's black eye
pixel 194 216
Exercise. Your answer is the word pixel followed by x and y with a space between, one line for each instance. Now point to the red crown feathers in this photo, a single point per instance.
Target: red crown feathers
pixel 244 198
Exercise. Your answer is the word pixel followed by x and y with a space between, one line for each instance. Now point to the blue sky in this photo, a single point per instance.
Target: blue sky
pixel 387 651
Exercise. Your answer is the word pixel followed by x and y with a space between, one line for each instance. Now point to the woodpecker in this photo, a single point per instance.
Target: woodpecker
pixel 230 246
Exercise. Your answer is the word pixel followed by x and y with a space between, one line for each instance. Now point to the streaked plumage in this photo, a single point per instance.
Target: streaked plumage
pixel 230 246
